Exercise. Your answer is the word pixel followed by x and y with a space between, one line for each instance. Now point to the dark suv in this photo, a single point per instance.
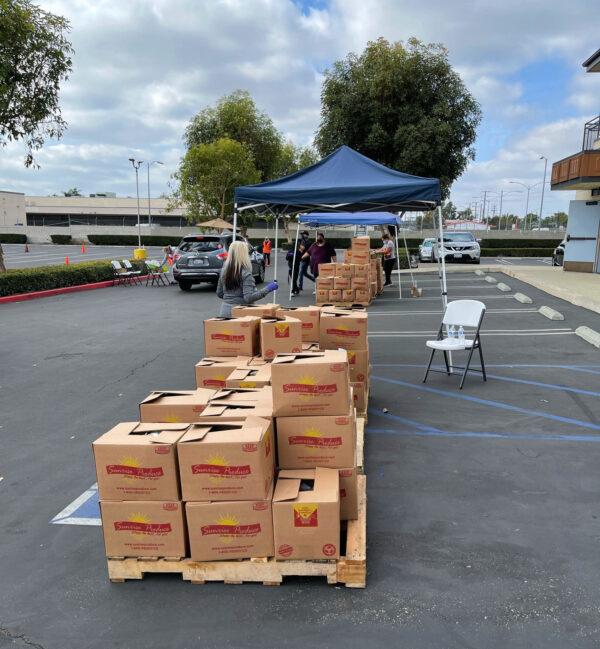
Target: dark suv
pixel 200 258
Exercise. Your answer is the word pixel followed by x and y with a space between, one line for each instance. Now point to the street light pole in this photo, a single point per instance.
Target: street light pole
pixel 136 165
pixel 545 159
pixel 148 165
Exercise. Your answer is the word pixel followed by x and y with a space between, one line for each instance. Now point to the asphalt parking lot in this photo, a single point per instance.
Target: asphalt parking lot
pixel 483 517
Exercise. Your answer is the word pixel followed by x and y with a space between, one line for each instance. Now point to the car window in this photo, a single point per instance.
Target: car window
pixel 458 236
pixel 203 245
pixel 427 243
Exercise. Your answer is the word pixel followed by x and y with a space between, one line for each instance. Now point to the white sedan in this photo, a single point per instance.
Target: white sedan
pixel 425 250
pixel 459 246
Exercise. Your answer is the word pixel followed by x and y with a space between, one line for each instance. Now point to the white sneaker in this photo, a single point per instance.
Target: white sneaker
pixel 314 292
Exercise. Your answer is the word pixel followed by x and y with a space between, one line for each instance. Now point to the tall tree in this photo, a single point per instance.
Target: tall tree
pixel 35 57
pixel 236 117
pixel 207 176
pixel 72 192
pixel 402 105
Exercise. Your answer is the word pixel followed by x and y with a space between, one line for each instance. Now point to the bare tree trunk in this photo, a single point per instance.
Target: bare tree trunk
pixel 2 266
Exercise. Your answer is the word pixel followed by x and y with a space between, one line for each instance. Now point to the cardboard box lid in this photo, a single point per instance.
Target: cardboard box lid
pixel 134 432
pixel 249 371
pixel 210 361
pixel 180 396
pixel 326 485
pixel 211 430
pixel 325 355
pixel 226 396
pixel 279 318
pixel 242 318
pixel 345 313
pixel 308 308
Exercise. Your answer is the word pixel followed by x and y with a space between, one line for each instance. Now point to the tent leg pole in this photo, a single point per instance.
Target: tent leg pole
pixel 442 258
pixel 235 216
pixel 275 255
pixel 398 260
pixel 412 279
pixel 294 260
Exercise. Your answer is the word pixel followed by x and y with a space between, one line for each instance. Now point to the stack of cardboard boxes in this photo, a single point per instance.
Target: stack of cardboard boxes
pixel 356 281
pixel 195 476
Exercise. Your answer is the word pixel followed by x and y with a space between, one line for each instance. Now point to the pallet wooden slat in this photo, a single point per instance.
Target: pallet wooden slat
pixel 360 444
pixel 350 570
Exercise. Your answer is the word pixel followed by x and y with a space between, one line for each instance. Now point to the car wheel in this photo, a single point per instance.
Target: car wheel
pixel 185 285
pixel 260 278
pixel 477 260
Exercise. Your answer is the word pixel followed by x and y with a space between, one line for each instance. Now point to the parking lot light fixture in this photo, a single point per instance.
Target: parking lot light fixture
pixel 136 165
pixel 148 165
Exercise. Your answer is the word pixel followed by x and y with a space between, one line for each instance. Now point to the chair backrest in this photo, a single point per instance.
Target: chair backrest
pixel 127 264
pixel 467 313
pixel 116 265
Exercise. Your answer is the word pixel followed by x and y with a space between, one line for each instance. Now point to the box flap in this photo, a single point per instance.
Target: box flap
pixel 286 489
pixel 154 396
pixel 196 433
pixel 290 358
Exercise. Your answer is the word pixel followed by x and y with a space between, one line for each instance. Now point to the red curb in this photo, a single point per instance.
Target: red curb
pixel 34 295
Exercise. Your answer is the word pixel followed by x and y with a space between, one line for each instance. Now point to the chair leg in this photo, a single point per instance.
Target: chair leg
pixel 428 366
pixel 482 363
pixel 447 363
pixel 462 381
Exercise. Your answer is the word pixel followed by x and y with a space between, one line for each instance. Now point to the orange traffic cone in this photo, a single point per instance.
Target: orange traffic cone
pixel 67 260
pixel 83 248
pixel 26 248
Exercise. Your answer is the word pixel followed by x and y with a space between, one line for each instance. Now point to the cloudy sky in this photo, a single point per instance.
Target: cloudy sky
pixel 142 68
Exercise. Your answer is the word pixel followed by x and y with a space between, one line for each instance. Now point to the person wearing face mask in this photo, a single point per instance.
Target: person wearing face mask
pixel 321 252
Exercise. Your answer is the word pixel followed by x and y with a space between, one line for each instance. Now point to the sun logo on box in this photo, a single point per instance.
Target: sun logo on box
pixel 227 521
pixel 312 432
pixel 216 460
pixel 171 418
pixel 138 517
pixel 282 330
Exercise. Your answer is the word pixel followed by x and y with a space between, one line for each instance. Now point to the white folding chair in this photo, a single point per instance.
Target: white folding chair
pixel 135 274
pixel 460 313
pixel 121 275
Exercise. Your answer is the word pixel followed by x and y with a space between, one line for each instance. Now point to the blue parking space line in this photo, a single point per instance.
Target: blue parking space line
pixel 84 510
pixel 510 379
pixel 487 402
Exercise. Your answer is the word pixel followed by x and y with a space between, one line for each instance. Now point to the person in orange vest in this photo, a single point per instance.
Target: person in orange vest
pixel 266 249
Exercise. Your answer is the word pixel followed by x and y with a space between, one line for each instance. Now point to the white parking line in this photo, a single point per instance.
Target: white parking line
pixel 488 312
pixel 485 334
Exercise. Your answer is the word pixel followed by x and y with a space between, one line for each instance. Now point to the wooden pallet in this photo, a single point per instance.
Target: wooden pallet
pixel 360 443
pixel 351 569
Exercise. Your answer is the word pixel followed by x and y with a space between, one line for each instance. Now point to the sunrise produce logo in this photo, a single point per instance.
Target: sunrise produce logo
pixel 228 336
pixel 217 468
pixel 313 438
pixel 141 524
pixel 307 385
pixel 228 529
pixel 131 469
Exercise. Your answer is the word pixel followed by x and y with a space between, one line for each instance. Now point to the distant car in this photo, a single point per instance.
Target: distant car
pixel 426 250
pixel 458 246
pixel 558 256
pixel 199 258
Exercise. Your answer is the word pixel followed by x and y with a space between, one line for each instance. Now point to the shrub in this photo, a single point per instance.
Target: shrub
pixel 61 238
pixel 9 237
pixel 520 243
pixel 43 278
pixel 131 240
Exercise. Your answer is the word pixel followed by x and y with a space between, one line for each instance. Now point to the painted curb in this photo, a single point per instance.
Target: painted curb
pixel 521 297
pixel 479 272
pixel 589 335
pixel 550 313
pixel 503 287
pixel 34 295
pixel 490 279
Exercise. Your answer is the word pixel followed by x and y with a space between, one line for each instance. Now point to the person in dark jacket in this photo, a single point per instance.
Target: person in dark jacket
pixel 236 282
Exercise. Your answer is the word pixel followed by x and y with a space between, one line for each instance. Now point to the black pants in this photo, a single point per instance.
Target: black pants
pixel 267 256
pixel 388 267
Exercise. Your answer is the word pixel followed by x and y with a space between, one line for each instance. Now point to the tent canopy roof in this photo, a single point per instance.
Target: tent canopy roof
pixel 344 180
pixel 316 219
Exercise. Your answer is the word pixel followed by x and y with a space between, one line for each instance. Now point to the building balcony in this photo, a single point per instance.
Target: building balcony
pixel 580 170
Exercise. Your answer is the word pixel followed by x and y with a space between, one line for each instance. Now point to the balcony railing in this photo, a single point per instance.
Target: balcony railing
pixel 591 134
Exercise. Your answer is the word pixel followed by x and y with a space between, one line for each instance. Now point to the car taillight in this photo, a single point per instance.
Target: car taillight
pixel 222 255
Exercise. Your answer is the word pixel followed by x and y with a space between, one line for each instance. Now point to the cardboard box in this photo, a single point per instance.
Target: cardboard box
pixel 251 374
pixel 346 330
pixel 280 335
pixel 211 372
pixel 361 244
pixel 325 283
pixel 361 270
pixel 344 270
pixel 311 383
pixel 231 336
pixel 309 317
pixel 362 296
pixel 322 295
pixel 359 391
pixel 342 283
pixel 335 295
pixel 310 442
pixel 360 282
pixel 137 528
pixel 327 270
pixel 348 494
pixel 348 256
pixel 310 347
pixel 175 406
pixel 227 460
pixel 230 529
pixel 255 310
pixel 235 404
pixel 348 296
pixel 373 289
pixel 358 256
pixel 136 461
pixel 358 361
pixel 306 523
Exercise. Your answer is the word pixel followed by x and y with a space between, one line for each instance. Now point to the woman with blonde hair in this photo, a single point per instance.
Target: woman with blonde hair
pixel 236 282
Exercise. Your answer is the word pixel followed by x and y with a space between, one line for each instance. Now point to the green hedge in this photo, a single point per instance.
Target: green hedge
pixel 132 240
pixel 61 238
pixel 12 238
pixel 520 243
pixel 43 278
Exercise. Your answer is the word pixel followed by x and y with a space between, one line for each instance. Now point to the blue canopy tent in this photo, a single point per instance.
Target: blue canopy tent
pixel 344 181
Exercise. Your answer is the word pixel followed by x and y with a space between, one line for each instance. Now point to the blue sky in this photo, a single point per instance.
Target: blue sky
pixel 142 68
